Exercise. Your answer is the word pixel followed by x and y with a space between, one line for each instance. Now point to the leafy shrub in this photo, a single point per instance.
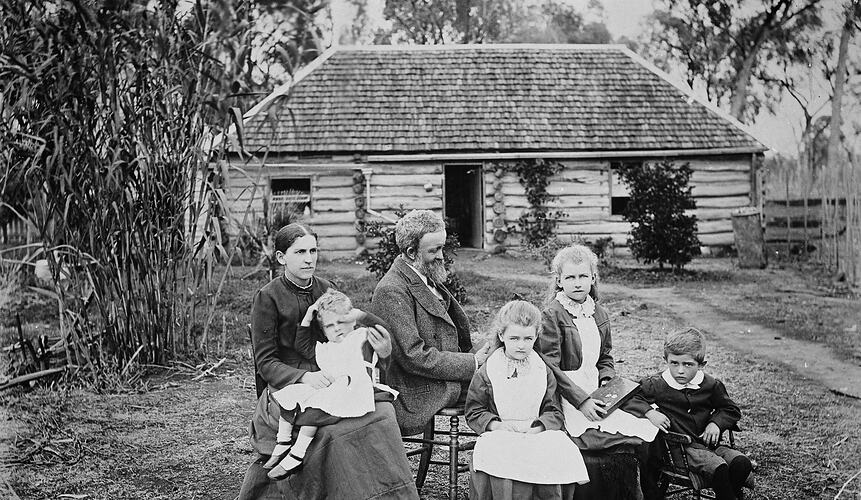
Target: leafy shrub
pixel 379 261
pixel 659 196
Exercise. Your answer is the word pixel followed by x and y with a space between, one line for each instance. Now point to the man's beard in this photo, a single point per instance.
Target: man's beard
pixel 434 270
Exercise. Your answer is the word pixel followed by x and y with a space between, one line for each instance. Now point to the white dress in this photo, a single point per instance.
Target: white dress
pixel 351 394
pixel 586 377
pixel 548 457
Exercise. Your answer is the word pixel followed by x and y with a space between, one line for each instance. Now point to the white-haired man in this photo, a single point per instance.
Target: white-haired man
pixel 432 361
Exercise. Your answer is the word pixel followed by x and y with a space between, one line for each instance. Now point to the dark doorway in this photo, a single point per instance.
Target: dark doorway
pixel 463 203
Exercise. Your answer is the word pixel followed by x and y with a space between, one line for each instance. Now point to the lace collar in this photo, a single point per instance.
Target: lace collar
pixel 693 384
pixel 517 367
pixel 575 309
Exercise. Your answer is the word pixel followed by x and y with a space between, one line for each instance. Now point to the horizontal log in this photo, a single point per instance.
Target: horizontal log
pixel 714 226
pixel 328 243
pixel 561 202
pixel 711 213
pixel 561 189
pixel 723 202
pixel 333 181
pixel 713 165
pixel 704 176
pixel 344 217
pixel 333 193
pixel 405 191
pixel 721 189
pixel 381 203
pixel 609 227
pixel 397 180
pixel 328 230
pixel 405 168
pixel 716 239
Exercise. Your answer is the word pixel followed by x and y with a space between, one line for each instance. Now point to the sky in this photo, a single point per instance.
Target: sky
pixel 778 131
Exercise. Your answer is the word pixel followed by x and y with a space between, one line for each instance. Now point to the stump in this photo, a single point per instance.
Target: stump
pixel 749 240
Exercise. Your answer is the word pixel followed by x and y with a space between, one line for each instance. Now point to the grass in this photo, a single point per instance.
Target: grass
pixel 178 438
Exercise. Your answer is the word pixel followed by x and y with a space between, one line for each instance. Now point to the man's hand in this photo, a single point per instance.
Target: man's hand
pixel 380 340
pixel 589 408
pixel 482 354
pixel 658 419
pixel 317 380
pixel 711 435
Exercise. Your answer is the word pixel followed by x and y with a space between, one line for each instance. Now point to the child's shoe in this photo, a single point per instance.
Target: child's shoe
pixel 278 453
pixel 287 467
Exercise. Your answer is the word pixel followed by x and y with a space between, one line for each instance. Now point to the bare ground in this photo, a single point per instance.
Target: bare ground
pixel 185 439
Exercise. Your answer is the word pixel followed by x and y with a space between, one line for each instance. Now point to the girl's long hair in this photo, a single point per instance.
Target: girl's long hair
pixel 576 254
pixel 515 312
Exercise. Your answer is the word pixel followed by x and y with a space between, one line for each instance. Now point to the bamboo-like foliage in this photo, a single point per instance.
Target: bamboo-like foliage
pixel 105 109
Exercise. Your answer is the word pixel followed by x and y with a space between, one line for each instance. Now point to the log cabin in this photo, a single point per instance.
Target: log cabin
pixel 364 130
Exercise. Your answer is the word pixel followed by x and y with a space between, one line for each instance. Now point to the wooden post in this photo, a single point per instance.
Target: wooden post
pixel 749 241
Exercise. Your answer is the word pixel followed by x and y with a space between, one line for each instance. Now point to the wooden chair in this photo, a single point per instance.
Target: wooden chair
pixel 451 440
pixel 675 475
pixel 259 383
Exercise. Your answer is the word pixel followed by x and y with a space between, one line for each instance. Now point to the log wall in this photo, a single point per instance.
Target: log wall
pixel 335 208
pixel 719 185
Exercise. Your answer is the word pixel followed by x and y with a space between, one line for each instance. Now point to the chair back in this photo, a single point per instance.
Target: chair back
pixel 673 453
pixel 259 383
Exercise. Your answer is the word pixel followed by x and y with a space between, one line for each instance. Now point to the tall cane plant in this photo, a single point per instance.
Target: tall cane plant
pixel 106 109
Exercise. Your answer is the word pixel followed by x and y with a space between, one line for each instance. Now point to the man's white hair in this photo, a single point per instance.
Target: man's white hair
pixel 410 229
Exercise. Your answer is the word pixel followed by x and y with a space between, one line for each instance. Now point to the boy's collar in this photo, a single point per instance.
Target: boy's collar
pixel 693 384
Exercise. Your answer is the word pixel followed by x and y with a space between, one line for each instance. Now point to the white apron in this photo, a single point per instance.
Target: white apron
pixel 351 394
pixel 586 377
pixel 548 457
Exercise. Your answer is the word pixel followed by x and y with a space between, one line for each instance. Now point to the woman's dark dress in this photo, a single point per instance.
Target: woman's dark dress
pixel 351 458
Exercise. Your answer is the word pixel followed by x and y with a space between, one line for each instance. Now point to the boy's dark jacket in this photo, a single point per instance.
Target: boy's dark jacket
pixel 689 410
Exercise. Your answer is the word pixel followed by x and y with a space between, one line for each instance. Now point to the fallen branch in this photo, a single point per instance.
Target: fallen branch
pixel 847 483
pixel 209 371
pixel 131 360
pixel 30 376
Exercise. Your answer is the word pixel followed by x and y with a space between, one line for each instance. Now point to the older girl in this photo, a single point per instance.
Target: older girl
pixel 521 452
pixel 350 458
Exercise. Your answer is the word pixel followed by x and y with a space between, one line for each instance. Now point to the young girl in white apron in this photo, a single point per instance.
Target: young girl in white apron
pixel 521 452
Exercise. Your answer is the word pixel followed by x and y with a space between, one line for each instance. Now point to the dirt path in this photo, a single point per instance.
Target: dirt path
pixel 809 359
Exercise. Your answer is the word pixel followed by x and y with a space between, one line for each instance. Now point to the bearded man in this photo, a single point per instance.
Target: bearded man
pixel 432 361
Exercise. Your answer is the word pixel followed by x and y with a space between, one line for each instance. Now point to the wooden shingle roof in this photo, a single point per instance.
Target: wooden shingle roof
pixel 486 98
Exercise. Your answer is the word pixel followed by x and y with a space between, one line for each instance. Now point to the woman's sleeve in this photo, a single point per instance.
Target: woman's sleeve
pixel 306 342
pixel 264 333
pixel 478 401
pixel 550 347
pixel 551 416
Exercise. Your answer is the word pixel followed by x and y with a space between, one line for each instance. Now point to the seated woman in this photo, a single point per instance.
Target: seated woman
pixel 349 458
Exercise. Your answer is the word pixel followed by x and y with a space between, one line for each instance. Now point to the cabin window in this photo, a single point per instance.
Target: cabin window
pixel 619 195
pixel 290 196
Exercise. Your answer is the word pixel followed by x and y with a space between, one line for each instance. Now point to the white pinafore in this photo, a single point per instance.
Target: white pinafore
pixel 586 377
pixel 548 457
pixel 351 394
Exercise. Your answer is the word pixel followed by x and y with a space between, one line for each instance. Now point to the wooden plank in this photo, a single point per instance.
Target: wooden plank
pixel 397 180
pixel 714 226
pixel 721 189
pixel 330 243
pixel 561 202
pixel 404 191
pixel 741 164
pixel 332 181
pixel 562 188
pixel 329 230
pixel 404 168
pixel 723 202
pixel 381 203
pixel 711 213
pixel 795 233
pixel 333 193
pixel 345 217
pixel 716 239
pixel 606 227
pixel 703 176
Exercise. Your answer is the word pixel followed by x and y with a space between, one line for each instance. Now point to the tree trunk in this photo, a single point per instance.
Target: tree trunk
pixel 837 99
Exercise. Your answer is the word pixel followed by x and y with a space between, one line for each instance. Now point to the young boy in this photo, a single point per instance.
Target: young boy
pixel 691 402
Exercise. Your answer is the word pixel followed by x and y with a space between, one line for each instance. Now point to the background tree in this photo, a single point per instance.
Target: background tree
pixel 490 21
pixel 731 47
pixel 659 196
